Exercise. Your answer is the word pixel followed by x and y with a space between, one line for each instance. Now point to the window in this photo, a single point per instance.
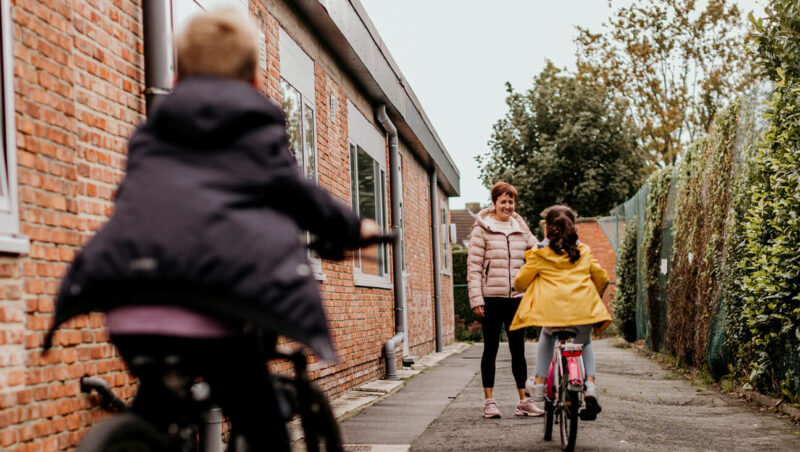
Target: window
pixel 300 128
pixel 10 240
pixel 368 187
pixel 368 195
pixel 445 238
pixel 297 99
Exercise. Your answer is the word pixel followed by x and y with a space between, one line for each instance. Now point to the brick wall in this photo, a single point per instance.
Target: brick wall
pixel 78 79
pixel 78 71
pixel 590 233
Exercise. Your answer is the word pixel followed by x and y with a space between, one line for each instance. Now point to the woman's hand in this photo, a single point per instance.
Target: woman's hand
pixel 369 228
pixel 478 310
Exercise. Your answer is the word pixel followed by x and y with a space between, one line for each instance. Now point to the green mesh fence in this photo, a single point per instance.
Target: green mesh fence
pixel 633 212
pixel 613 227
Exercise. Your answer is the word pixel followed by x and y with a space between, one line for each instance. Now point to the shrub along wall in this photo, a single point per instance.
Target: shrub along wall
pixel 467 324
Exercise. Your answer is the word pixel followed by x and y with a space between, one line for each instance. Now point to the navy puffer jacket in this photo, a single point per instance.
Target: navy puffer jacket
pixel 209 216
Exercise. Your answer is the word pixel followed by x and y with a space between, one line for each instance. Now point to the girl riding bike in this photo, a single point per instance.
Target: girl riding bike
pixel 563 283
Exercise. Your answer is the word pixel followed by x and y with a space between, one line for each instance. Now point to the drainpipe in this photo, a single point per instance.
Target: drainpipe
pixel 396 193
pixel 437 272
pixel 158 52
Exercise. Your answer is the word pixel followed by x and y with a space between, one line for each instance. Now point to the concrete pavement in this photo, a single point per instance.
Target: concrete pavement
pixel 645 407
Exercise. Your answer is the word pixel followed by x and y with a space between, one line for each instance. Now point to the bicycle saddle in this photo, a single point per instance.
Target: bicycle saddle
pixel 564 333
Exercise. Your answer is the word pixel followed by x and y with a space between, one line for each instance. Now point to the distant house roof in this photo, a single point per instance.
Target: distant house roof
pixel 464 220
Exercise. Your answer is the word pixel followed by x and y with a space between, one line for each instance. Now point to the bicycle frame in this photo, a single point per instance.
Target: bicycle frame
pixel 564 389
pixel 570 357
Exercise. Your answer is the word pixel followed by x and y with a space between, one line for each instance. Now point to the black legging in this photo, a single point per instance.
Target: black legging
pixel 496 312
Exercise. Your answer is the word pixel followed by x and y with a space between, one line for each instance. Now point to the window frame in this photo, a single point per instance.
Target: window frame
pixel 444 236
pixel 382 280
pixel 297 72
pixel 11 241
pixel 366 135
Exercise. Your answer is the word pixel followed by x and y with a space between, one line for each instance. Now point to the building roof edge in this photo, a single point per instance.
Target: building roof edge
pixel 354 40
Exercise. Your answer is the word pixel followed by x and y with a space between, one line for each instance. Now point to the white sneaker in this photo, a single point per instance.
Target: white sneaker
pixel 590 397
pixel 536 391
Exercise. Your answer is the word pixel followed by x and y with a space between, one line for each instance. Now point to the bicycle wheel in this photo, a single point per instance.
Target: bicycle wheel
pixel 319 422
pixel 125 432
pixel 549 414
pixel 568 423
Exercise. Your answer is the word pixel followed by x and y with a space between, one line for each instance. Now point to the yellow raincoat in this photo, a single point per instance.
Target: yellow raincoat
pixel 559 292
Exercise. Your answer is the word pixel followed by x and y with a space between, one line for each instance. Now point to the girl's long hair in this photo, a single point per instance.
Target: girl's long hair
pixel 561 231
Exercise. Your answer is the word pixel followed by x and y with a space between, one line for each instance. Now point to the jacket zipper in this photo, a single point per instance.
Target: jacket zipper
pixel 508 247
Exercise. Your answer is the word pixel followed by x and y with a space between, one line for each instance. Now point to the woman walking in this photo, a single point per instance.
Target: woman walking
pixel 496 252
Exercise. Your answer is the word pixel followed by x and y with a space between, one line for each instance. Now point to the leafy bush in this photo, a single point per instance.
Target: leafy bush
pixel 467 324
pixel 625 298
pixel 771 261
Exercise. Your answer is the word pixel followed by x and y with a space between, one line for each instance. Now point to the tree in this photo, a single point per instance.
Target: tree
pixel 564 141
pixel 673 65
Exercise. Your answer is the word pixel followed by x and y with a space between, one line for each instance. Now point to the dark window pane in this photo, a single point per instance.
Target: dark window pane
pixel 366 186
pixel 310 144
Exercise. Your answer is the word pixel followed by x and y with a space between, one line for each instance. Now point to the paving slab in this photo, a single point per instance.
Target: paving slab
pixel 402 417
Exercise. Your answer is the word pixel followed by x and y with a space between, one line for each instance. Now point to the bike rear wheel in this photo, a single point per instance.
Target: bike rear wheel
pixel 124 432
pixel 568 422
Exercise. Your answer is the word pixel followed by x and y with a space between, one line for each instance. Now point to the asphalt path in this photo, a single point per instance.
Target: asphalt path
pixel 645 407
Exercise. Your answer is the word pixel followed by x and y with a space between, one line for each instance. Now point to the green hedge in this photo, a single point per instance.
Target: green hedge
pixel 468 326
pixel 625 297
pixel 771 260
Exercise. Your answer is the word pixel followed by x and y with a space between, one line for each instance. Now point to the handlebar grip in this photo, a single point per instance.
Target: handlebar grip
pixel 334 251
pixel 389 237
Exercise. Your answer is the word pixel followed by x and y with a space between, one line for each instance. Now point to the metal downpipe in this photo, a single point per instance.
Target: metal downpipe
pixel 158 51
pixel 437 269
pixel 396 193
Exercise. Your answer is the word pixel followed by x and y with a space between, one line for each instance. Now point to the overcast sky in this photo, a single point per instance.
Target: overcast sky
pixel 458 54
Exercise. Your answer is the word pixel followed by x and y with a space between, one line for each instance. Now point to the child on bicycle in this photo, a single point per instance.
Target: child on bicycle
pixel 563 283
pixel 204 246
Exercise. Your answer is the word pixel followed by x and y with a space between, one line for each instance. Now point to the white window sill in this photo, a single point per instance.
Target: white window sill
pixel 14 244
pixel 372 281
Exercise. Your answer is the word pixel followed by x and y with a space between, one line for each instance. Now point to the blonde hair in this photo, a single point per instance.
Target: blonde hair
pixel 219 43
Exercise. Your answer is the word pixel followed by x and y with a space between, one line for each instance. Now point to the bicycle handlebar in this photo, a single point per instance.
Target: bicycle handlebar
pixel 335 251
pixel 102 387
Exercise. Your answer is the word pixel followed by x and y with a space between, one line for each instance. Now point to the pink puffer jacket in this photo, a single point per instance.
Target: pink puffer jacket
pixel 495 258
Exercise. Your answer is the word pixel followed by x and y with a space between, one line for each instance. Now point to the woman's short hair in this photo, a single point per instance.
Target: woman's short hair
pixel 503 188
pixel 221 43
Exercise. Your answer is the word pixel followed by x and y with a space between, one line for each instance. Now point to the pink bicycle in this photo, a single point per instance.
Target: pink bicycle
pixel 564 390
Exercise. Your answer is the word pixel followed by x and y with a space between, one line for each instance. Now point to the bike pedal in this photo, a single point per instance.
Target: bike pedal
pixel 587 416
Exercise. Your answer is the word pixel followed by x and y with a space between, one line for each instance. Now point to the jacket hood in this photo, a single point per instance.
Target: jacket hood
pixel 483 215
pixel 206 112
pixel 558 260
